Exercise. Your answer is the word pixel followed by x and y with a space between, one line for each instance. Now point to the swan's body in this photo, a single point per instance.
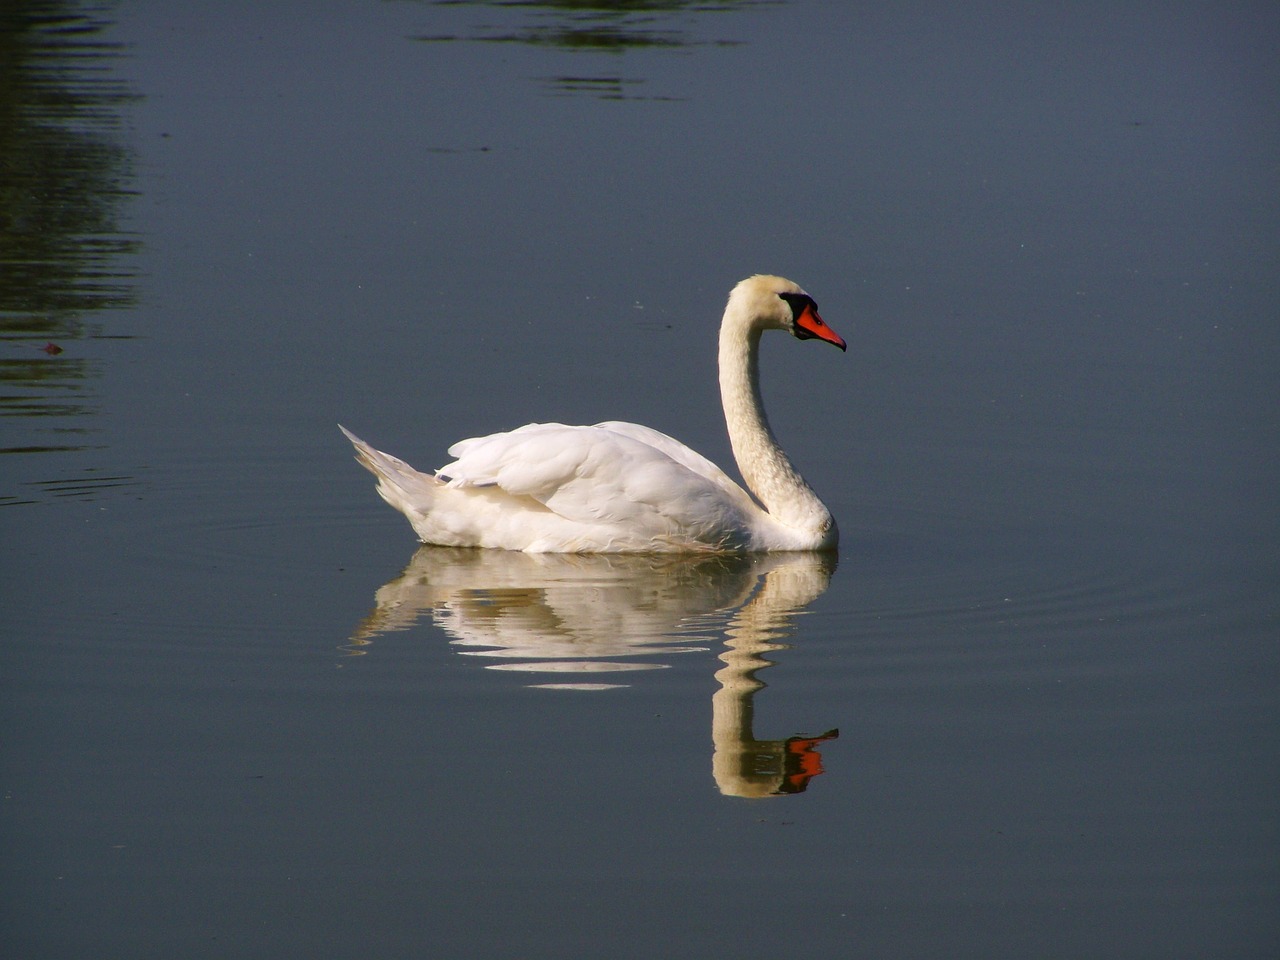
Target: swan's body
pixel 624 488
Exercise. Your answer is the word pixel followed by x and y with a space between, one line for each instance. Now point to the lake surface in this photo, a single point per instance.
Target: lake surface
pixel 1029 710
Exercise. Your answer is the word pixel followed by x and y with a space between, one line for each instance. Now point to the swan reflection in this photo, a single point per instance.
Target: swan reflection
pixel 576 617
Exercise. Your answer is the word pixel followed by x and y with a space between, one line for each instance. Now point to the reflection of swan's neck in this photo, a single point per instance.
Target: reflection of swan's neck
pixel 737 763
pixel 764 466
pixel 742 765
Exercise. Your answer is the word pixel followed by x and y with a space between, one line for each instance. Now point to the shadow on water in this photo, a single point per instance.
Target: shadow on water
pixel 63 256
pixel 601 27
pixel 575 617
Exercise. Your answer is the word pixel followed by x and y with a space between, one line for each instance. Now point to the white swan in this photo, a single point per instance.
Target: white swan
pixel 624 488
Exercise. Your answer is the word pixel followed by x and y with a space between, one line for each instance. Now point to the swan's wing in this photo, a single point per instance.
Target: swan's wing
pixel 678 452
pixel 601 475
pixel 533 461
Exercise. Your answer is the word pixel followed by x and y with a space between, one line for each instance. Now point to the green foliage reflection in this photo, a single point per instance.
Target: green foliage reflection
pixel 63 176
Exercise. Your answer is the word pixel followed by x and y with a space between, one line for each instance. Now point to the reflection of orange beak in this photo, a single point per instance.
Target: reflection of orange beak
pixel 814 326
pixel 803 760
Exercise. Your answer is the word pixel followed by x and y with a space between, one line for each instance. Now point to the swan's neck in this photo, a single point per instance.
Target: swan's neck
pixel 765 467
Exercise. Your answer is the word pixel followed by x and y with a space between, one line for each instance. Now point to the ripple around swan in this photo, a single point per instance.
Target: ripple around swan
pixel 1044 619
pixel 162 559
pixel 1080 595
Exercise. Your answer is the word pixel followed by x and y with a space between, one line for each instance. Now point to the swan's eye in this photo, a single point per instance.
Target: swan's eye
pixel 798 302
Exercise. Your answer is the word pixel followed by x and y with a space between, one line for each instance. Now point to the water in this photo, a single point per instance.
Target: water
pixel 1031 708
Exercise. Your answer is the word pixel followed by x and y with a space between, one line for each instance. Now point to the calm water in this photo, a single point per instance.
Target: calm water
pixel 1032 709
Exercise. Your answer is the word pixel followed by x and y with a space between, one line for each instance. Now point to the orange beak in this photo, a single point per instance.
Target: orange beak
pixel 813 326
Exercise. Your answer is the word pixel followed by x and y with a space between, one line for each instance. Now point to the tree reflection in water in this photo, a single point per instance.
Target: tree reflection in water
pixel 63 256
pixel 601 27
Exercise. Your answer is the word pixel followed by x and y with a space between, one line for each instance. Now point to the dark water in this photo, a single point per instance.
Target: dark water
pixel 1031 710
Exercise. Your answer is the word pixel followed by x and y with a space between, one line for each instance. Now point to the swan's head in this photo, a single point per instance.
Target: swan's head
pixel 775 303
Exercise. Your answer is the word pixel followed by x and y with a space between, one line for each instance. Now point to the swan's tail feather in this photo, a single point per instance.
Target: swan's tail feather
pixel 406 489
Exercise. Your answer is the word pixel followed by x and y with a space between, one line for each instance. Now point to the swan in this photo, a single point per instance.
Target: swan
pixel 625 488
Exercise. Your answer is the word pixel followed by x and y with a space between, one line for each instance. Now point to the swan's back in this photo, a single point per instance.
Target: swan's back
pixel 627 488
